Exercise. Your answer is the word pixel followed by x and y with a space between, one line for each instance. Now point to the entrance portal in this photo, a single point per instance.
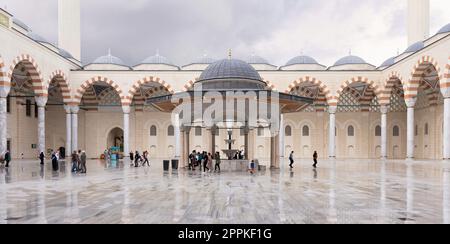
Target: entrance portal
pixel 115 138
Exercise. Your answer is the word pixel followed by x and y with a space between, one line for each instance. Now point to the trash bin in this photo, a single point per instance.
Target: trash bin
pixel 175 164
pixel 166 165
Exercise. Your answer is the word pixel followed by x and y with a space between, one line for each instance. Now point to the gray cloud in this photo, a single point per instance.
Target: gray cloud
pixel 183 30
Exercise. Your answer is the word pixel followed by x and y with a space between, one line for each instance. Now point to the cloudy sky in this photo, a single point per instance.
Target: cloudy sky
pixel 274 29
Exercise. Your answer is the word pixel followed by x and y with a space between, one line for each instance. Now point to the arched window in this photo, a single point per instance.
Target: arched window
pixel 198 131
pixel 305 130
pixel 426 129
pixel 378 130
pixel 351 131
pixel 153 131
pixel 170 131
pixel 396 131
pixel 260 131
pixel 288 131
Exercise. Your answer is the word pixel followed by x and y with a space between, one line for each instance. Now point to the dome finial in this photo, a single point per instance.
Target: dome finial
pixel 229 54
pixel 350 52
pixel 157 52
pixel 109 55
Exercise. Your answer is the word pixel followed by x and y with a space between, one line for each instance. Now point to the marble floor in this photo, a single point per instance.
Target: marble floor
pixel 351 191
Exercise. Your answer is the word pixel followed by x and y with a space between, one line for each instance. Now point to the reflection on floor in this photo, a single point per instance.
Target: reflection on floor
pixel 358 191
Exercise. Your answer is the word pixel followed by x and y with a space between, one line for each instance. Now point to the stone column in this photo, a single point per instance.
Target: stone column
pixel 41 102
pixel 282 137
pixel 183 153
pixel 187 132
pixel 446 132
pixel 384 110
pixel 75 109
pixel 68 130
pixel 3 120
pixel 126 131
pixel 177 137
pixel 213 140
pixel 332 130
pixel 246 147
pixel 410 103
pixel 274 148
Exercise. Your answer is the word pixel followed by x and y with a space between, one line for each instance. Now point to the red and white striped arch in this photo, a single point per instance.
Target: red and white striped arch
pixel 4 82
pixel 190 84
pixel 61 80
pixel 360 79
pixel 82 89
pixel 389 84
pixel 445 83
pixel 420 68
pixel 320 84
pixel 34 72
pixel 137 85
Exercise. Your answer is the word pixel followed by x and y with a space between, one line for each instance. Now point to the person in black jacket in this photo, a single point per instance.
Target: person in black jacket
pixel 42 157
pixel 7 158
pixel 55 164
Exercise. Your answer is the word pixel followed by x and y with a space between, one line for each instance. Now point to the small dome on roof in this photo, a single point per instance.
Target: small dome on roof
pixel 157 59
pixel 203 60
pixel 38 38
pixel 350 60
pixel 388 62
pixel 445 29
pixel 415 47
pixel 109 59
pixel 65 54
pixel 255 59
pixel 302 60
pixel 21 24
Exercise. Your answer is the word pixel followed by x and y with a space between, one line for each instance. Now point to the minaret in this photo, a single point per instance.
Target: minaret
pixel 69 34
pixel 418 20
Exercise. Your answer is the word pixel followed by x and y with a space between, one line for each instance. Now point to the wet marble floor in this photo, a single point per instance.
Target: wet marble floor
pixel 356 191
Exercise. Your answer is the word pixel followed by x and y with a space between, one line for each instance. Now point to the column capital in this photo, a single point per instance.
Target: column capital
pixel 384 109
pixel 332 109
pixel 75 109
pixel 445 92
pixel 4 91
pixel 126 109
pixel 41 101
pixel 411 102
pixel 68 109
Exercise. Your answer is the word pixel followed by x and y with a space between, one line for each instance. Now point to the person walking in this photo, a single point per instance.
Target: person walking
pixel 191 161
pixel 55 164
pixel 315 156
pixel 205 162
pixel 83 162
pixel 7 158
pixel 74 162
pixel 217 166
pixel 42 157
pixel 79 161
pixel 291 159
pixel 210 161
pixel 131 156
pixel 137 159
pixel 145 155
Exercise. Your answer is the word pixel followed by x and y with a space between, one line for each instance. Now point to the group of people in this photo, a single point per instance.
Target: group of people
pixel 291 159
pixel 204 161
pixel 138 159
pixel 6 158
pixel 79 162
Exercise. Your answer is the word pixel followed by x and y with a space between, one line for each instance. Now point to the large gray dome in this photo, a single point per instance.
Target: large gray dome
pixel 230 68
pixel 231 74
pixel 350 60
pixel 388 62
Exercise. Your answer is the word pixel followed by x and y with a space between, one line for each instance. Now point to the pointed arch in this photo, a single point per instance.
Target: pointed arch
pixel 388 87
pixel 138 99
pixel 329 99
pixel 82 89
pixel 360 79
pixel 420 68
pixel 190 84
pixel 445 82
pixel 61 80
pixel 33 70
pixel 4 81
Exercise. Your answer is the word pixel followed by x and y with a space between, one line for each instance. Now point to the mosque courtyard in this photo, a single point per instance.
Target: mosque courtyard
pixel 350 191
